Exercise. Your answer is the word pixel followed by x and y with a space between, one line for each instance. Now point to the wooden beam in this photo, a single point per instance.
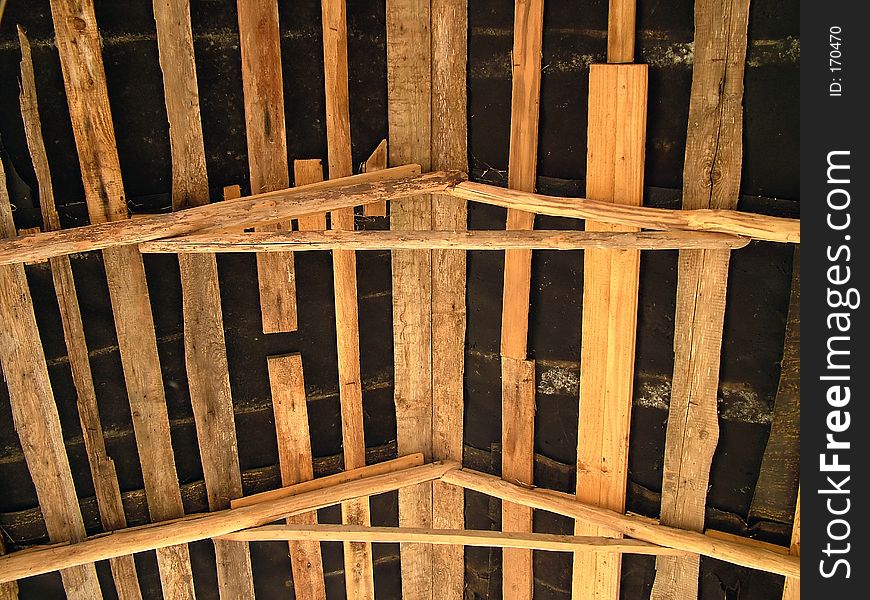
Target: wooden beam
pixel 759 227
pixel 640 528
pixel 792 588
pixel 388 466
pixel 615 159
pixel 78 43
pixel 409 86
pixel 225 216
pixel 205 349
pixel 621 31
pixel 191 528
pixel 294 458
pixel 35 417
pixel 518 464
pixel 8 590
pixel 305 172
pixel 376 162
pixel 711 179
pixel 452 240
pixel 263 86
pixel 106 489
pixel 456 537
pixel 358 565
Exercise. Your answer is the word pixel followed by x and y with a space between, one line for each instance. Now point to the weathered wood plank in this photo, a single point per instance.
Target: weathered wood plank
pixel 35 417
pixel 8 590
pixel 621 31
pixel 263 87
pixel 294 457
pixel 518 462
pixel 615 159
pixel 106 489
pixel 450 240
pixel 458 537
pixel 641 528
pixel 376 162
pixel 205 349
pixel 711 179
pixel 449 150
pixel 792 588
pixel 305 172
pixel 409 85
pixel 39 560
pixel 359 569
pixel 81 61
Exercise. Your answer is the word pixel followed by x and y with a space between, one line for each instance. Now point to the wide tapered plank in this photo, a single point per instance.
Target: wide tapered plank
pixel 358 566
pixel 106 489
pixel 263 87
pixel 449 150
pixel 294 458
pixel 409 73
pixel 35 416
pixel 81 61
pixel 204 343
pixel 711 179
pixel 615 158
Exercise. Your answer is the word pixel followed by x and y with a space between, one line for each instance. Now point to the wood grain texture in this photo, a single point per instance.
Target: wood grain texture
pixel 621 31
pixel 449 20
pixel 522 169
pixel 39 560
pixel 615 163
pixel 778 478
pixel 105 479
pixel 711 179
pixel 263 87
pixel 792 588
pixel 294 458
pixel 409 114
pixel 359 569
pixel 8 590
pixel 35 416
pixel 376 162
pixel 444 241
pixel 459 537
pixel 517 465
pixel 204 343
pixel 307 171
pixel 81 61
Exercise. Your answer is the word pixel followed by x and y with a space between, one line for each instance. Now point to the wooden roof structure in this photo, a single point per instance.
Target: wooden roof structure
pixel 419 177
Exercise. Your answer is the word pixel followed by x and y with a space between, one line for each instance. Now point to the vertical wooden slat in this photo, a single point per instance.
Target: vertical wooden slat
pixel 34 414
pixel 294 457
pixel 358 566
pixel 205 349
pixel 106 489
pixel 409 117
pixel 8 590
pixel 81 61
pixel 711 179
pixel 307 171
pixel 449 151
pixel 376 162
pixel 615 157
pixel 263 86
pixel 522 169
pixel 792 588
pixel 621 31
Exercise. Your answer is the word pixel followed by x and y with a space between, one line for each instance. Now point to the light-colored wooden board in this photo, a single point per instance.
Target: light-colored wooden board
pixel 106 489
pixel 358 565
pixel 792 588
pixel 518 463
pixel 711 179
pixel 409 85
pixel 39 560
pixel 641 528
pixel 615 159
pixel 376 162
pixel 307 171
pixel 294 458
pixel 621 19
pixel 8 590
pixel 81 61
pixel 458 537
pixel 35 417
pixel 263 87
pixel 205 349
